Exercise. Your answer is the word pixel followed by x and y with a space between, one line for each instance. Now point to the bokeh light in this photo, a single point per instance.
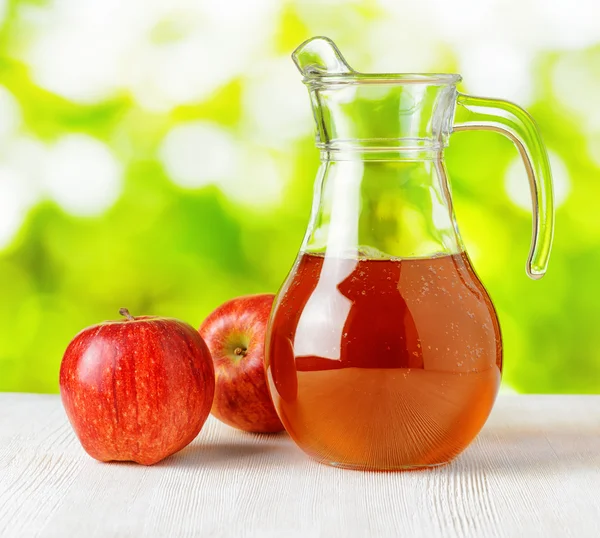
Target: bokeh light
pixel 159 155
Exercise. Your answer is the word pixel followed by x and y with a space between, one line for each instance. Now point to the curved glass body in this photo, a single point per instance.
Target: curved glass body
pixel 384 349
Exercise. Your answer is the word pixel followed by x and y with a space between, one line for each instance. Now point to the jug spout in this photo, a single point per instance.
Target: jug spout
pixel 374 111
pixel 319 56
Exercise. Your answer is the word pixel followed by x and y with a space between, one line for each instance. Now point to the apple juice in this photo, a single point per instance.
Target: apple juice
pixel 383 363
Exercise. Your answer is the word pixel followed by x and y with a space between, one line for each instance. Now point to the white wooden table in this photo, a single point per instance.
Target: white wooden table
pixel 533 471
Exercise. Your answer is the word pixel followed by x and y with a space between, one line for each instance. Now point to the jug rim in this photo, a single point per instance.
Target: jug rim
pixel 429 79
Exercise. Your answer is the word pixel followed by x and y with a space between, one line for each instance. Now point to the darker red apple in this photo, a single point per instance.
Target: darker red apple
pixel 235 334
pixel 139 389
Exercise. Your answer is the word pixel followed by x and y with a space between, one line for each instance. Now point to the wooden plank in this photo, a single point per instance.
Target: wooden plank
pixel 533 471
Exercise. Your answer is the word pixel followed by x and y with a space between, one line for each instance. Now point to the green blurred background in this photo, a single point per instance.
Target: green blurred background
pixel 158 154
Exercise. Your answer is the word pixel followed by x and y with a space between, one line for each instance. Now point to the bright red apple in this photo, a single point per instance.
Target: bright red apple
pixel 235 334
pixel 138 389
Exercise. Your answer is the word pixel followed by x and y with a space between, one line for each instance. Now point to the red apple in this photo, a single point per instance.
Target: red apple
pixel 235 334
pixel 139 389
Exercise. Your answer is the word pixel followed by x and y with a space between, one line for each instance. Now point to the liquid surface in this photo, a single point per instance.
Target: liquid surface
pixel 383 364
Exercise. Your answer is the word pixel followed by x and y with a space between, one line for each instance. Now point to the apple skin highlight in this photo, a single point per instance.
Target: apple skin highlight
pixel 235 334
pixel 137 390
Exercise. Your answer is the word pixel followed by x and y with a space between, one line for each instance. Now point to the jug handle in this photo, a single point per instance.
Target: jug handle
pixel 473 113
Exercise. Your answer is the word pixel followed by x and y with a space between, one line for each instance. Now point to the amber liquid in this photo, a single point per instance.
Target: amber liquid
pixel 384 364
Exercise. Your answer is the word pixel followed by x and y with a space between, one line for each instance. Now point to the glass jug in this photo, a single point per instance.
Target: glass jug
pixel 384 350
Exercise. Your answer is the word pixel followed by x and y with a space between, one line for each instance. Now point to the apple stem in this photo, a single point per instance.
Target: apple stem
pixel 241 351
pixel 125 312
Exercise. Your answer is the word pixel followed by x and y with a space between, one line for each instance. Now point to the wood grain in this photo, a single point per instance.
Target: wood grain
pixel 533 471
